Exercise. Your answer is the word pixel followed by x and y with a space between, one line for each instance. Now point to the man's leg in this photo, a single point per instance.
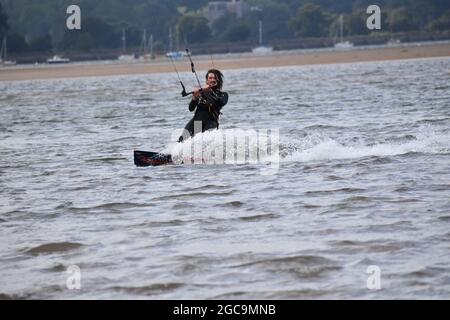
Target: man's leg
pixel 188 131
pixel 209 125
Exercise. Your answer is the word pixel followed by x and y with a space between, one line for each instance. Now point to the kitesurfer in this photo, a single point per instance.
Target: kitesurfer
pixel 207 103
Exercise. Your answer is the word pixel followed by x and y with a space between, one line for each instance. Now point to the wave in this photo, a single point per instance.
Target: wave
pixel 149 290
pixel 110 159
pixel 6 296
pixel 300 266
pixel 239 147
pixel 193 195
pixel 231 146
pixel 52 247
pixel 326 148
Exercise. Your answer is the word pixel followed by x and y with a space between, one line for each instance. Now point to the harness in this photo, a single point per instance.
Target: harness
pixel 204 100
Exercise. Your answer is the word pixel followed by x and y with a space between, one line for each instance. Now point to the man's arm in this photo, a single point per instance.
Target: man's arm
pixel 193 104
pixel 197 93
pixel 223 99
pixel 218 99
pixel 195 99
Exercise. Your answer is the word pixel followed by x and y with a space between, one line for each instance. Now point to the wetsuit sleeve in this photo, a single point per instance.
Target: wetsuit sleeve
pixel 223 100
pixel 218 99
pixel 192 105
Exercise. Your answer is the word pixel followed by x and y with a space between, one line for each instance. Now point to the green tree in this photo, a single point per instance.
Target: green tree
pixel 37 18
pixel 95 33
pixel 193 28
pixel 310 21
pixel 4 26
pixel 237 32
pixel 400 20
pixel 357 22
pixel 274 16
pixel 156 16
pixel 231 28
pixel 441 24
pixel 334 30
pixel 192 4
pixel 220 25
pixel 85 42
pixel 42 44
pixel 421 12
pixel 17 44
pixel 33 20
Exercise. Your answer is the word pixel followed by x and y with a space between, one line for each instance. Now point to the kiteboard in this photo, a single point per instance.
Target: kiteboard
pixel 149 158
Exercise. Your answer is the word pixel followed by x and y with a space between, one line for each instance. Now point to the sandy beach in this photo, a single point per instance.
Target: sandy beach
pixel 225 62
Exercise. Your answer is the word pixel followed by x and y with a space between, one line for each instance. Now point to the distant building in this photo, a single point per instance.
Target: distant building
pixel 217 9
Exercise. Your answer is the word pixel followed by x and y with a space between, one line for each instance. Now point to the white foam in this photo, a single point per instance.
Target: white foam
pixel 237 146
pixel 329 149
pixel 311 148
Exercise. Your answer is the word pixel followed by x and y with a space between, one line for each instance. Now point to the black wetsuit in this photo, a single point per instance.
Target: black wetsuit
pixel 207 110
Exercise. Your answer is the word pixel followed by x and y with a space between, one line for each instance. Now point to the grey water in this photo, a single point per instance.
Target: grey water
pixel 363 182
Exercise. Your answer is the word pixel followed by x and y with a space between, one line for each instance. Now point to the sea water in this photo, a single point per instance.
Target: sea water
pixel 362 183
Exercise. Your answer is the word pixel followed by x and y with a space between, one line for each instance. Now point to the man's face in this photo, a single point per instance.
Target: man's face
pixel 211 80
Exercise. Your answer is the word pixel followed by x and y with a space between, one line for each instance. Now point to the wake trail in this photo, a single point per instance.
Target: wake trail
pixel 237 147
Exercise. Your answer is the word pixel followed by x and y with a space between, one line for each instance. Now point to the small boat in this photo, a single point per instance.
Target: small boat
pixel 126 57
pixel 342 44
pixel 176 54
pixel 393 43
pixel 57 60
pixel 8 63
pixel 171 54
pixel 4 55
pixel 261 49
pixel 146 46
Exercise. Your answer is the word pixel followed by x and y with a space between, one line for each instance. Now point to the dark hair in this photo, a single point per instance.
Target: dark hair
pixel 219 77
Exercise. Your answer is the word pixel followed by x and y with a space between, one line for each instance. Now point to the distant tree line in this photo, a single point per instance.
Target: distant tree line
pixel 39 26
pixel 17 43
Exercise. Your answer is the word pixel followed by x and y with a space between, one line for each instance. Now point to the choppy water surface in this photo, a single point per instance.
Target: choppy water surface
pixel 364 180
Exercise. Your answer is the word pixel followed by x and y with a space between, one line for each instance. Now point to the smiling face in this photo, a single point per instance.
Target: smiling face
pixel 214 79
pixel 211 80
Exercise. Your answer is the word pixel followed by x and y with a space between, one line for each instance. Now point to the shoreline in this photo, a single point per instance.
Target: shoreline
pixel 225 62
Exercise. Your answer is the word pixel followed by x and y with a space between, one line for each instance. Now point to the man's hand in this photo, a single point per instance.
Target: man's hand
pixel 197 91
